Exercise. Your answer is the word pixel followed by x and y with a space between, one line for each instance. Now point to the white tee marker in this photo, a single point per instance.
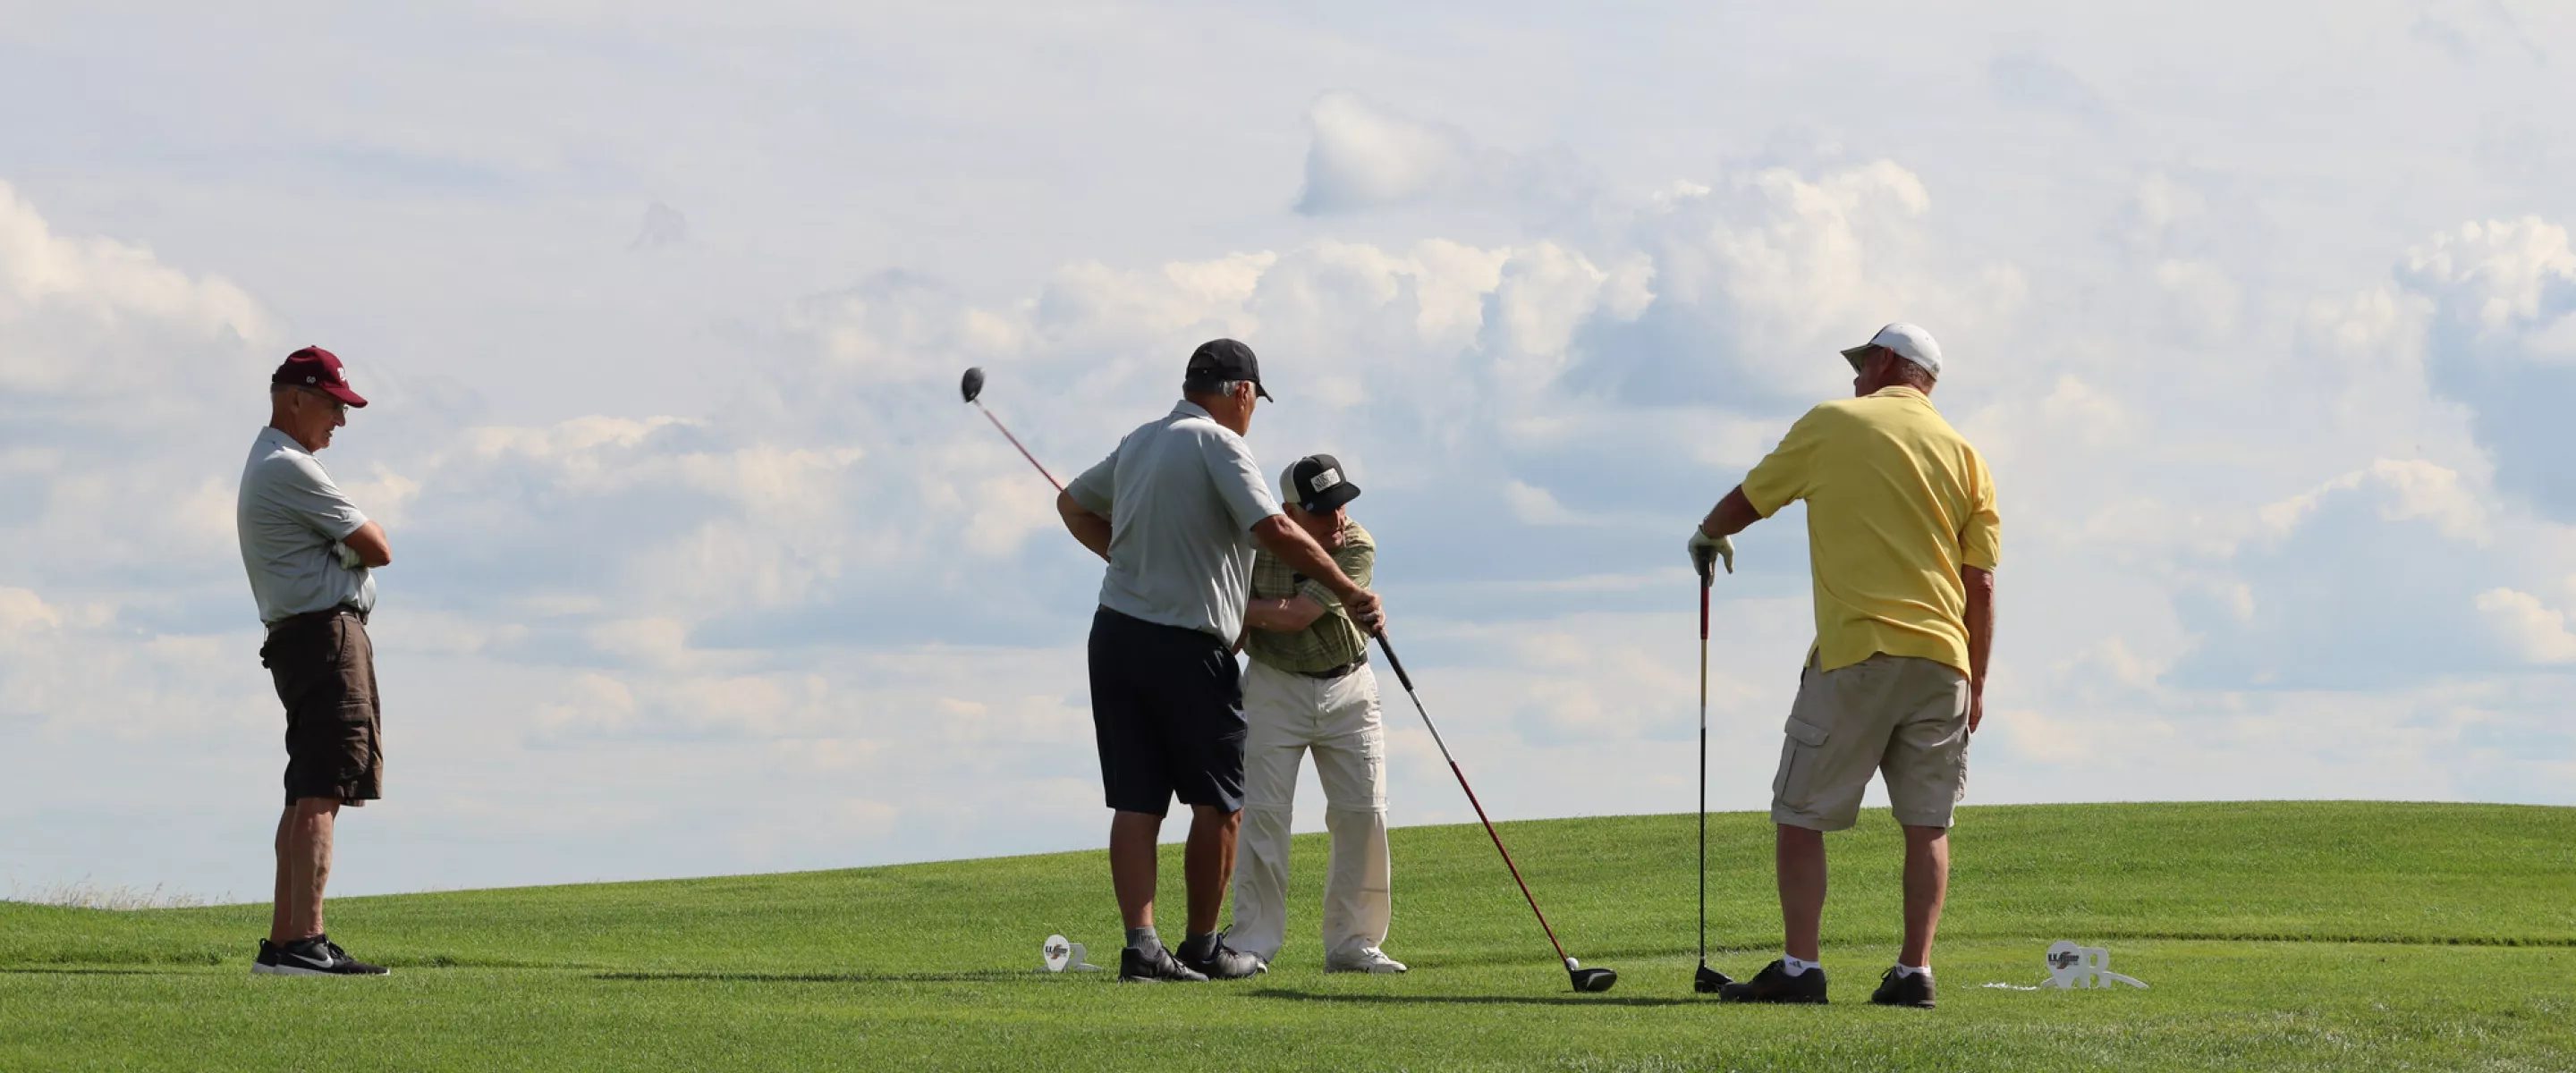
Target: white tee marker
pixel 2071 966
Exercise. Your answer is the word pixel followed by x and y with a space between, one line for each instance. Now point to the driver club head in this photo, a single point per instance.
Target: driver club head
pixel 1708 980
pixel 1589 979
pixel 973 385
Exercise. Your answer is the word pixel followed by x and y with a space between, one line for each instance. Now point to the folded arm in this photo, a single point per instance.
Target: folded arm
pixel 1282 538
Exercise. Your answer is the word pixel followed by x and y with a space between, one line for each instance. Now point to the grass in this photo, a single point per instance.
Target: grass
pixel 2321 935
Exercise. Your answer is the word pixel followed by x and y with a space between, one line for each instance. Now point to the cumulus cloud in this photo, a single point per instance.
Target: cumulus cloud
pixel 2503 294
pixel 1365 155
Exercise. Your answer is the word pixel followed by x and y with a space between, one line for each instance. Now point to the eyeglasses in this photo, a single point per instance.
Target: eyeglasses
pixel 338 408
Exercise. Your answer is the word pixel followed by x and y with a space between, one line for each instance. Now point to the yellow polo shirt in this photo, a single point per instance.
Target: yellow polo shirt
pixel 1896 502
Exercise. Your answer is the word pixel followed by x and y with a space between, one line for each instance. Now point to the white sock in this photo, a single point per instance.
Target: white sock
pixel 1903 969
pixel 1795 967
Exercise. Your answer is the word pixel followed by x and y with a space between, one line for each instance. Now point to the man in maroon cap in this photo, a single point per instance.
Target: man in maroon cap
pixel 309 552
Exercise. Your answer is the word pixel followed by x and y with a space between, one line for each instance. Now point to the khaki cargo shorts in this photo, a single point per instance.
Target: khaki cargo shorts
pixel 1903 716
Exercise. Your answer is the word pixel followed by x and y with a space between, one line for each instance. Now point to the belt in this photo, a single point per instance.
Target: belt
pixel 1342 671
pixel 324 615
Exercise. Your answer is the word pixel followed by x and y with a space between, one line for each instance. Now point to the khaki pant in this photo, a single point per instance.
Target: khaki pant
pixel 1898 715
pixel 1337 719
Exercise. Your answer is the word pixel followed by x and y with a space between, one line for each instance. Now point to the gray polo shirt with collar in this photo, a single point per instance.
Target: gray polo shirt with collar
pixel 289 516
pixel 1182 494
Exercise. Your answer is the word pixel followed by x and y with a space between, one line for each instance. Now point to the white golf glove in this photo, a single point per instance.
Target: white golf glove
pixel 1706 550
pixel 348 557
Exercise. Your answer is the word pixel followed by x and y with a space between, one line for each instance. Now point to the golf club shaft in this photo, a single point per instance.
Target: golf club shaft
pixel 1704 583
pixel 1400 676
pixel 1015 442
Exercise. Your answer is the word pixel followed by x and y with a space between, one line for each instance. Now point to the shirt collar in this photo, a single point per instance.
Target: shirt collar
pixel 277 437
pixel 1900 391
pixel 1191 409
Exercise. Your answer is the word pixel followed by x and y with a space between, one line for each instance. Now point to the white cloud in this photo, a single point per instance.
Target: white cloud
pixel 2527 628
pixel 1366 156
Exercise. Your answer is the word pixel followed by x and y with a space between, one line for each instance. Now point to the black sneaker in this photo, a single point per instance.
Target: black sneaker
pixel 1895 989
pixel 1222 962
pixel 1159 967
pixel 266 963
pixel 1774 984
pixel 319 956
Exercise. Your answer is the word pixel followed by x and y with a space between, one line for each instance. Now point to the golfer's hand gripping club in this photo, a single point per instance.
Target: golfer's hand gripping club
pixel 1706 550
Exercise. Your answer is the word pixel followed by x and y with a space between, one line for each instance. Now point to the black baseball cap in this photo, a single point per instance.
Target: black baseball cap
pixel 1317 484
pixel 1225 359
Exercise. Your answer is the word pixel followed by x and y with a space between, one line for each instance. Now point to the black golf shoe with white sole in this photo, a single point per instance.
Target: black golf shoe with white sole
pixel 1159 967
pixel 1221 962
pixel 1774 984
pixel 317 956
pixel 1895 989
pixel 266 962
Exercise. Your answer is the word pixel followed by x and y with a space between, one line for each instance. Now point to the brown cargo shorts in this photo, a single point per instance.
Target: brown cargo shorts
pixel 1901 716
pixel 325 670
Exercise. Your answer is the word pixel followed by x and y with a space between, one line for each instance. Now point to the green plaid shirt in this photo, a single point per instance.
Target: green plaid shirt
pixel 1333 640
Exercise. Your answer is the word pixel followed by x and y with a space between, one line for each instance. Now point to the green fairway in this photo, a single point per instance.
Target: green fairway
pixel 2276 936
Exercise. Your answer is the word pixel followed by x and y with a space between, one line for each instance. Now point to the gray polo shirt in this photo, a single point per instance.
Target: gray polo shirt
pixel 288 516
pixel 1182 494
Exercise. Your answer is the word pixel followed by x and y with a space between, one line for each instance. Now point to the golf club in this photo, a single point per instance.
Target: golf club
pixel 1584 979
pixel 973 388
pixel 1707 980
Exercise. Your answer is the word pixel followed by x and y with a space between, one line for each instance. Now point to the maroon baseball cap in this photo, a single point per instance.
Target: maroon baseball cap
pixel 317 368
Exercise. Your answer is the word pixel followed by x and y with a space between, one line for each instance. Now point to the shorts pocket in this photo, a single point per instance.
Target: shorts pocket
pixel 1806 733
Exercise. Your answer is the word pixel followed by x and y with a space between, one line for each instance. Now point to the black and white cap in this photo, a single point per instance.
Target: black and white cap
pixel 1317 484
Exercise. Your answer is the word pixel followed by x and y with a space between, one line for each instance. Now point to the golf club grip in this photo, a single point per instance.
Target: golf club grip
pixel 1384 646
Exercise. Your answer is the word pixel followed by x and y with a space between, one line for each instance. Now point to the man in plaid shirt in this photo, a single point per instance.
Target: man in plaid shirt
pixel 1310 687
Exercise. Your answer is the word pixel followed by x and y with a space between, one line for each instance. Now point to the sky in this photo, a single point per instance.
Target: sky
pixel 2261 313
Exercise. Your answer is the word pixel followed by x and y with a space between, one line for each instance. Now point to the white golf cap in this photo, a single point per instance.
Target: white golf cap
pixel 1909 342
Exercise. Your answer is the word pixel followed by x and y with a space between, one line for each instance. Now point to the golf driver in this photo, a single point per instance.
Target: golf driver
pixel 973 388
pixel 1707 980
pixel 1584 979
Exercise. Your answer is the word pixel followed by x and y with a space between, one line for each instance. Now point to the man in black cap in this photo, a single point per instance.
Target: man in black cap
pixel 1310 687
pixel 1176 510
pixel 310 553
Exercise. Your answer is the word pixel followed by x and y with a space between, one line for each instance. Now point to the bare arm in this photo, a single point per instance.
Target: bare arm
pixel 1981 637
pixel 370 544
pixel 1282 616
pixel 1282 538
pixel 1091 529
pixel 1731 515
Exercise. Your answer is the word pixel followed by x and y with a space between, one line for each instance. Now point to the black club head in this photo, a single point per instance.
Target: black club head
pixel 973 385
pixel 1708 980
pixel 1594 980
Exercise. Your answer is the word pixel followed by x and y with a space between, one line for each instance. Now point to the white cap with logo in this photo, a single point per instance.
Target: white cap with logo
pixel 1909 342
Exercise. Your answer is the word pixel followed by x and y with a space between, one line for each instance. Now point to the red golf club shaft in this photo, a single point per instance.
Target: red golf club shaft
pixel 1015 442
pixel 1479 806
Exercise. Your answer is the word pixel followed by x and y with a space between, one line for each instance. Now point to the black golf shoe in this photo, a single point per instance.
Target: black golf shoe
pixel 1774 984
pixel 317 956
pixel 1221 962
pixel 1896 989
pixel 266 963
pixel 1158 967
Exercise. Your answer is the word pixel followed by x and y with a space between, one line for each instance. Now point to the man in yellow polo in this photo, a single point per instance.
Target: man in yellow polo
pixel 1902 536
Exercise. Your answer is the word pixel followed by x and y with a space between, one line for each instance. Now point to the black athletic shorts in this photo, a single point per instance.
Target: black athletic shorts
pixel 1167 707
pixel 324 668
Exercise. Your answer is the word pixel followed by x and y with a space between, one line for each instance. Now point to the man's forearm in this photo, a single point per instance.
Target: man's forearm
pixel 1302 554
pixel 1731 515
pixel 1981 622
pixel 1282 616
pixel 1089 528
